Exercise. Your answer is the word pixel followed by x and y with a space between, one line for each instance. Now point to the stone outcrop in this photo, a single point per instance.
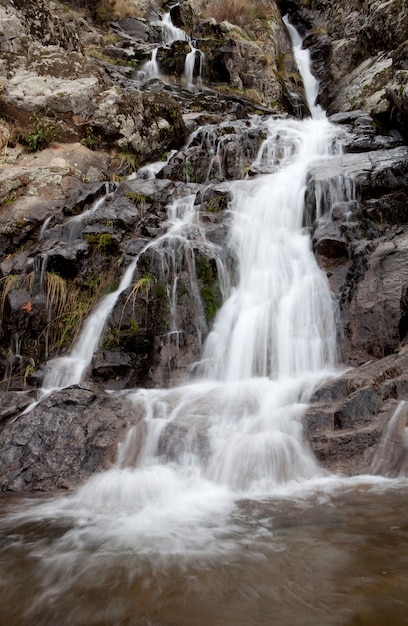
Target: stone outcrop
pixel 347 418
pixel 361 244
pixel 51 91
pixel 62 441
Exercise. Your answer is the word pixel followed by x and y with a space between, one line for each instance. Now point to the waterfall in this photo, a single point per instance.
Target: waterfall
pixel 70 370
pixel 303 61
pixel 234 430
pixel 190 66
pixel 170 34
pixel 150 69
pixel 237 429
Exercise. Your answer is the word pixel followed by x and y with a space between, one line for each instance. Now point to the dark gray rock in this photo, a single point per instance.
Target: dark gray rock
pixel 346 422
pixel 64 440
pixel 329 241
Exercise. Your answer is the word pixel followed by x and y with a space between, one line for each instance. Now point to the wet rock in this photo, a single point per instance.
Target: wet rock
pixel 109 367
pixel 216 152
pixel 347 416
pixel 65 260
pixel 12 404
pixel 172 60
pixel 329 241
pixel 64 440
pixel 180 437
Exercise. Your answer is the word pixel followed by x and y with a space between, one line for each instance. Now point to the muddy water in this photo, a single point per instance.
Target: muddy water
pixel 337 555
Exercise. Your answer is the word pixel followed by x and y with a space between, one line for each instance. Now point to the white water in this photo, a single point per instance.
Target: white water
pixel 303 61
pixel 150 69
pixel 190 64
pixel 170 34
pixel 236 433
pixel 70 370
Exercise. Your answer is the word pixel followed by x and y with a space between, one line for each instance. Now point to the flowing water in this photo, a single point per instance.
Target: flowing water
pixel 216 511
pixel 194 61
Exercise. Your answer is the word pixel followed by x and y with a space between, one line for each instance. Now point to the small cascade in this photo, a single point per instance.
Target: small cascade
pixel 171 33
pixel 302 57
pixel 44 227
pixel 151 170
pixel 329 193
pixel 177 249
pixel 70 370
pixel 73 227
pixel 40 267
pixel 193 67
pixel 150 69
pixel 194 61
pixel 391 456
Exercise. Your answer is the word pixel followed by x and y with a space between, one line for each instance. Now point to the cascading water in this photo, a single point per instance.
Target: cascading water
pixel 150 69
pixel 194 59
pixel 236 432
pixel 303 62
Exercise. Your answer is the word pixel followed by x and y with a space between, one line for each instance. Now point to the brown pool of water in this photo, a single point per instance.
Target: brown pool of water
pixel 319 561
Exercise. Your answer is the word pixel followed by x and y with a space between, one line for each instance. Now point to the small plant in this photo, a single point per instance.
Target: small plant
pixel 39 134
pixel 129 161
pixel 90 140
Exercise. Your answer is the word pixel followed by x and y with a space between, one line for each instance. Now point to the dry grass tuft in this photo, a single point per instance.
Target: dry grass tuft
pixel 236 11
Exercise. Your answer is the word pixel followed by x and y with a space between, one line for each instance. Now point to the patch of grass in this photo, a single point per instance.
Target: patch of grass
pixel 236 11
pixel 129 162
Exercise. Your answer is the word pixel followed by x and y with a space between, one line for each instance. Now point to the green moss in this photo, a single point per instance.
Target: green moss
pixel 102 242
pixel 210 302
pixel 207 273
pixel 204 270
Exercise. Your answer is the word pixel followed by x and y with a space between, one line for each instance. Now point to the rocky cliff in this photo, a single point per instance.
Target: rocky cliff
pixel 84 107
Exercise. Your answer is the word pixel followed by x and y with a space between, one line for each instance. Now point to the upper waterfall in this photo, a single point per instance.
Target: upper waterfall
pixel 310 83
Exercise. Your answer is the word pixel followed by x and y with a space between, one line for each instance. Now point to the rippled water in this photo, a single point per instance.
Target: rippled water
pixel 335 555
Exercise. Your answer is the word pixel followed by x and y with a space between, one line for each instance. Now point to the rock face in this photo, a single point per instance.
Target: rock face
pixel 83 107
pixel 62 441
pixel 358 51
pixel 347 418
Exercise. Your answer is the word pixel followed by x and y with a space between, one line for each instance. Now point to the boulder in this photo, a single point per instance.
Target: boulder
pixel 65 439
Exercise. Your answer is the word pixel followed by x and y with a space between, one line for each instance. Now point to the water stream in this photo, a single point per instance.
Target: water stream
pixel 216 511
pixel 194 60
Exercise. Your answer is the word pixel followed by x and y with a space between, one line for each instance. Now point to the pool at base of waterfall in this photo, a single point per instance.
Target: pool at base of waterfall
pixel 335 554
